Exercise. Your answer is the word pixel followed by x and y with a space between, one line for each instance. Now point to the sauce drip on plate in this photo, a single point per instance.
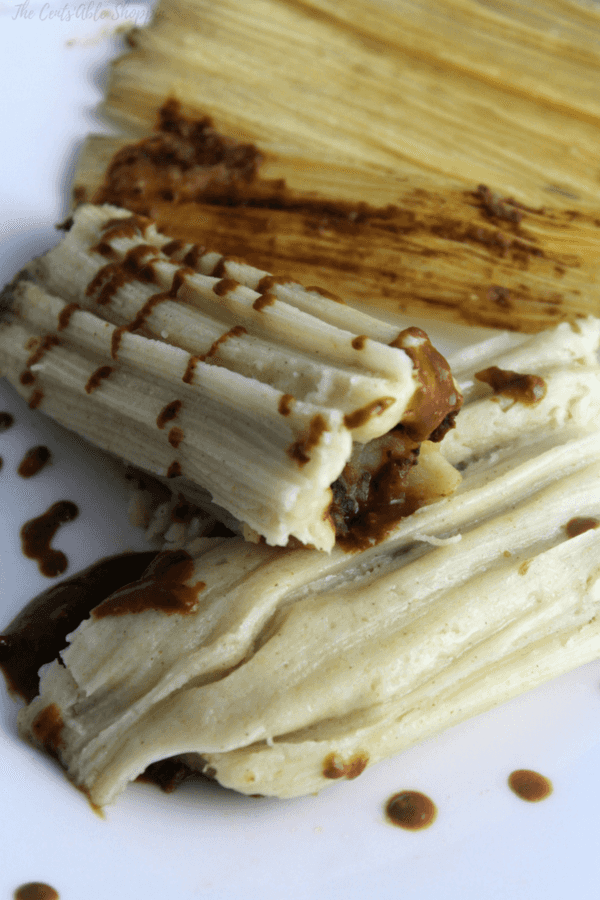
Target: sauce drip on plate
pixel 34 461
pixel 36 535
pixel 39 632
pixel 411 810
pixel 530 786
pixel 35 890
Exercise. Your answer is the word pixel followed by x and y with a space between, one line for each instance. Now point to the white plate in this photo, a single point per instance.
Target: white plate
pixel 203 841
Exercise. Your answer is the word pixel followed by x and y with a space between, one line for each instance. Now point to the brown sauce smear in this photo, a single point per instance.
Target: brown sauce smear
pixel 188 375
pixel 36 890
pixel 150 304
pixel 36 535
pixel 219 270
pixel 96 377
pixel 47 729
pixel 172 248
pixel 359 342
pixel 579 525
pixel 286 402
pixel 236 331
pixel 39 632
pixel 130 227
pixel 379 515
pixel 225 286
pixel 65 316
pixel 335 767
pixel 528 389
pixel 47 343
pixel 35 399
pixel 175 437
pixel 327 294
pixel 192 257
pixel 174 470
pixel 530 786
pixel 162 588
pixel 168 413
pixel 6 421
pixel 27 377
pixel 34 461
pixel 361 416
pixel 411 810
pixel 300 449
pixel 135 266
pixel 437 402
pixel 266 299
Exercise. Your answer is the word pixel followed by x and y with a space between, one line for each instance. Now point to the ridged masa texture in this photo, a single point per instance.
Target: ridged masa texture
pixel 291 668
pixel 249 395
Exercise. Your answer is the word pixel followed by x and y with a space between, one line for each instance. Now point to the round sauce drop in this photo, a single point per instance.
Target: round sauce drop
pixel 530 786
pixel 36 535
pixel 579 525
pixel 411 810
pixel 6 420
pixel 35 890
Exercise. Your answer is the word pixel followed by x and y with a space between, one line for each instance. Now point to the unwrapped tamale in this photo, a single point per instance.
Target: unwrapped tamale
pixel 279 406
pixel 277 670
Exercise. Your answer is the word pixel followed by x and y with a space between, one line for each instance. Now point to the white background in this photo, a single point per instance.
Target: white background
pixel 203 841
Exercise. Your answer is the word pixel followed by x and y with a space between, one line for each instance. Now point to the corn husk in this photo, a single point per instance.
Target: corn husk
pixel 401 104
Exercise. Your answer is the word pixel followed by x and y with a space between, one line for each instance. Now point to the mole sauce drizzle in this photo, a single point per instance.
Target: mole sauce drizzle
pixel 36 535
pixel 34 461
pixel 530 786
pixel 411 810
pixel 163 588
pixel 36 890
pixel 39 632
pixel 528 389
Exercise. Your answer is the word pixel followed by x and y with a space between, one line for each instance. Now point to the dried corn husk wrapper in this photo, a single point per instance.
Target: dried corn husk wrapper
pixel 248 395
pixel 289 668
pixel 439 158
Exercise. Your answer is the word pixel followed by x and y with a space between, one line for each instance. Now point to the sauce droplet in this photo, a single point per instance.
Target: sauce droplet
pixel 33 461
pixel 411 810
pixel 579 525
pixel 528 785
pixel 6 420
pixel 37 533
pixel 35 890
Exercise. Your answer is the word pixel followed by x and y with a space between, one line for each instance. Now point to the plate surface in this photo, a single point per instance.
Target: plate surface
pixel 204 841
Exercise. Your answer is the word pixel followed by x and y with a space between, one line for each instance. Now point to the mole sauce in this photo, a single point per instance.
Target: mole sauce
pixel 530 786
pixel 35 890
pixel 39 632
pixel 34 461
pixel 411 810
pixel 37 533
